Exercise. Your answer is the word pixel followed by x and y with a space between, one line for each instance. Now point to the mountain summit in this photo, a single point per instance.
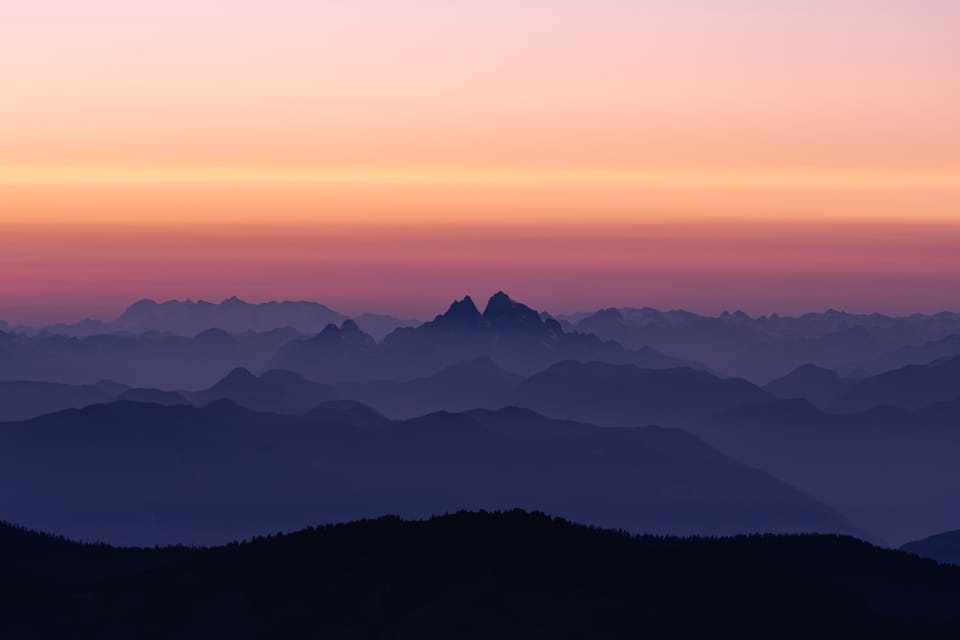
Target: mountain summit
pixel 462 314
pixel 504 313
pixel 510 333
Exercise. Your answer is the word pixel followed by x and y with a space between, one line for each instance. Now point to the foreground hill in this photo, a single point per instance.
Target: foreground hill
pixel 482 575
pixel 143 474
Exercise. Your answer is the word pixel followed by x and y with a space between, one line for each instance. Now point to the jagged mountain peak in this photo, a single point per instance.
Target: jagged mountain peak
pixel 462 313
pixel 502 311
pixel 349 326
pixel 347 332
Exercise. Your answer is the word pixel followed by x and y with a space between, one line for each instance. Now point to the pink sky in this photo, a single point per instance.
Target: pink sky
pixel 770 156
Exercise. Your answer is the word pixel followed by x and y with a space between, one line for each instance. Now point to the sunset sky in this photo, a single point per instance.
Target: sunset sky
pixel 774 155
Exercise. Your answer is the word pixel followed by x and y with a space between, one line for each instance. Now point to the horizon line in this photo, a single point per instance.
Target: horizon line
pixel 726 311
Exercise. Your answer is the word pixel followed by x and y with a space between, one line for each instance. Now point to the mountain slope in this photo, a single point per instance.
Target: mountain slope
pixel 910 387
pixel 818 385
pixel 892 471
pixel 925 353
pixel 152 360
pixel 466 385
pixel 22 400
pixel 219 472
pixel 625 395
pixel 943 547
pixel 274 391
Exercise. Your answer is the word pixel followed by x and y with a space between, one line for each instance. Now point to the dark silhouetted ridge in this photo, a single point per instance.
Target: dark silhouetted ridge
pixel 477 574
pixel 462 314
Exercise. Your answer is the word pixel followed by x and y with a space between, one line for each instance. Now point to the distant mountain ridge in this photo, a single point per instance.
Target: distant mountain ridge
pixel 910 387
pixel 274 391
pixel 22 400
pixel 154 359
pixel 512 334
pixel 946 347
pixel 596 392
pixel 767 347
pixel 759 349
pixel 474 384
pixel 480 383
pixel 819 385
pixel 233 315
pixel 626 395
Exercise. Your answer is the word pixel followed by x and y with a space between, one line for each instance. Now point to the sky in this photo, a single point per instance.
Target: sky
pixel 389 156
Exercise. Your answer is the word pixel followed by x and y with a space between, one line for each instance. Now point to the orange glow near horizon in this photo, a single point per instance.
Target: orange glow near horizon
pixel 245 195
pixel 388 155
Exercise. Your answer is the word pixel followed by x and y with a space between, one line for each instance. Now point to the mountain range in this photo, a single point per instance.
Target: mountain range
pixel 137 473
pixel 759 349
pixel 767 347
pixel 878 448
pixel 188 318
pixel 509 332
pixel 597 392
